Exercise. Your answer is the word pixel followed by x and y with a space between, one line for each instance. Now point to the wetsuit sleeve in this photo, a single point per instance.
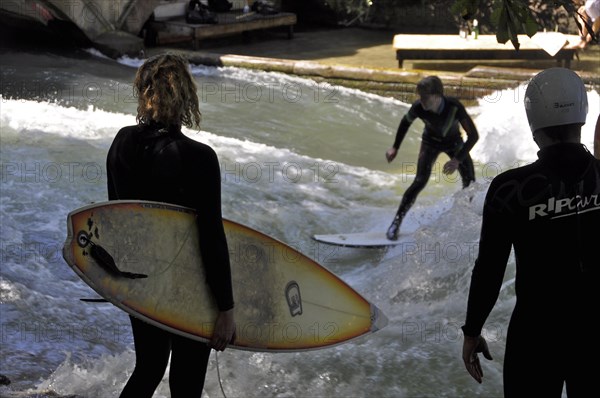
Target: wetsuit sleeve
pixel 213 243
pixel 488 273
pixel 472 135
pixel 405 123
pixel 112 192
pixel 111 170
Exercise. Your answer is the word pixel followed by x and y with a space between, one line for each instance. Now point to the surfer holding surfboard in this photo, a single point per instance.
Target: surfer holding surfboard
pixel 153 160
pixel 442 116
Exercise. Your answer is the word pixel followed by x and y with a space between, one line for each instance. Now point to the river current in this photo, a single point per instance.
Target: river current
pixel 297 158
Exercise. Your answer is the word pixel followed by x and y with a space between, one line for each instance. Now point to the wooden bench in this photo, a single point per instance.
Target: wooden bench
pixel 541 46
pixel 228 23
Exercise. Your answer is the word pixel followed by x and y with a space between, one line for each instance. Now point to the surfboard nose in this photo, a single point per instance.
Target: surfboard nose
pixel 378 319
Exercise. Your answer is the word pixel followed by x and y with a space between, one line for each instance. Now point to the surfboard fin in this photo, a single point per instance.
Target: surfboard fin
pixel 105 260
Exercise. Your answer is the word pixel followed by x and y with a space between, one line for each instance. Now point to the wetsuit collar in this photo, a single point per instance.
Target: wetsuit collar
pixel 567 160
pixel 158 128
pixel 563 150
pixel 442 105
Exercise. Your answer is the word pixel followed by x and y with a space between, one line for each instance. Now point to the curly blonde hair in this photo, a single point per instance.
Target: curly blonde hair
pixel 166 92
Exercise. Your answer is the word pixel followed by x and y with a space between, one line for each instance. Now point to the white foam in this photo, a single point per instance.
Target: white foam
pixel 48 117
pixel 8 292
pixel 96 53
pixel 100 377
pixel 505 137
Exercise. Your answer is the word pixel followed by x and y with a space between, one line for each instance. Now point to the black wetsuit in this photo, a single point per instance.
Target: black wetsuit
pixel 549 212
pixel 154 162
pixel 441 134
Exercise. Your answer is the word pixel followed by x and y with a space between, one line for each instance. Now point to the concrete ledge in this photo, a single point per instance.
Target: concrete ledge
pixel 229 23
pixel 301 68
pixel 477 83
pixel 117 43
pixel 542 46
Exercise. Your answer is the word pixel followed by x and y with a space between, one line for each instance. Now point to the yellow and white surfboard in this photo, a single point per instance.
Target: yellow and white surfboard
pixel 144 258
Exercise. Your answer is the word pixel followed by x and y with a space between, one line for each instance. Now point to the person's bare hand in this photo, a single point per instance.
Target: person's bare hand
pixel 472 346
pixel 224 331
pixel 390 154
pixel 451 166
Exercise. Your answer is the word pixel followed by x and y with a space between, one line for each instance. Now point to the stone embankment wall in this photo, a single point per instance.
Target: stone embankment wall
pixel 478 82
pixel 112 24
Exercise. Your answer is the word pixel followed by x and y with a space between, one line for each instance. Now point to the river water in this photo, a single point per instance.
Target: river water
pixel 297 158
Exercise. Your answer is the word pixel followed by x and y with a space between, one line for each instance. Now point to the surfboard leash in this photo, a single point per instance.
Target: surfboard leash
pixel 219 375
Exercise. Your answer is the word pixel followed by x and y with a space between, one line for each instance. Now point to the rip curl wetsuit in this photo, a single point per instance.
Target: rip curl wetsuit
pixel 159 163
pixel 549 212
pixel 441 134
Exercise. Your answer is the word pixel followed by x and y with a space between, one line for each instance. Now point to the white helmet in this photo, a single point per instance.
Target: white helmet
pixel 554 97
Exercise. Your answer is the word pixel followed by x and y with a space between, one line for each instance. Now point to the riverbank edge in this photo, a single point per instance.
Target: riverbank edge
pixel 477 82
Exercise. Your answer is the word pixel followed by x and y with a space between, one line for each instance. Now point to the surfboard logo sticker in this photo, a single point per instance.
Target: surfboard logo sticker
pixel 294 300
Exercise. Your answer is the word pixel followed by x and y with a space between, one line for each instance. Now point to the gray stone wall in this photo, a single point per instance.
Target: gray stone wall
pixel 99 16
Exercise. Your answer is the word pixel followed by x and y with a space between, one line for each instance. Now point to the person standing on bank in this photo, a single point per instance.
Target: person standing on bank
pixel 153 160
pixel 442 116
pixel 549 213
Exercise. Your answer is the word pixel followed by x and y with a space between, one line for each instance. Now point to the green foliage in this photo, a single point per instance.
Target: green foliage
pixel 505 18
pixel 514 17
pixel 511 18
pixel 467 9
